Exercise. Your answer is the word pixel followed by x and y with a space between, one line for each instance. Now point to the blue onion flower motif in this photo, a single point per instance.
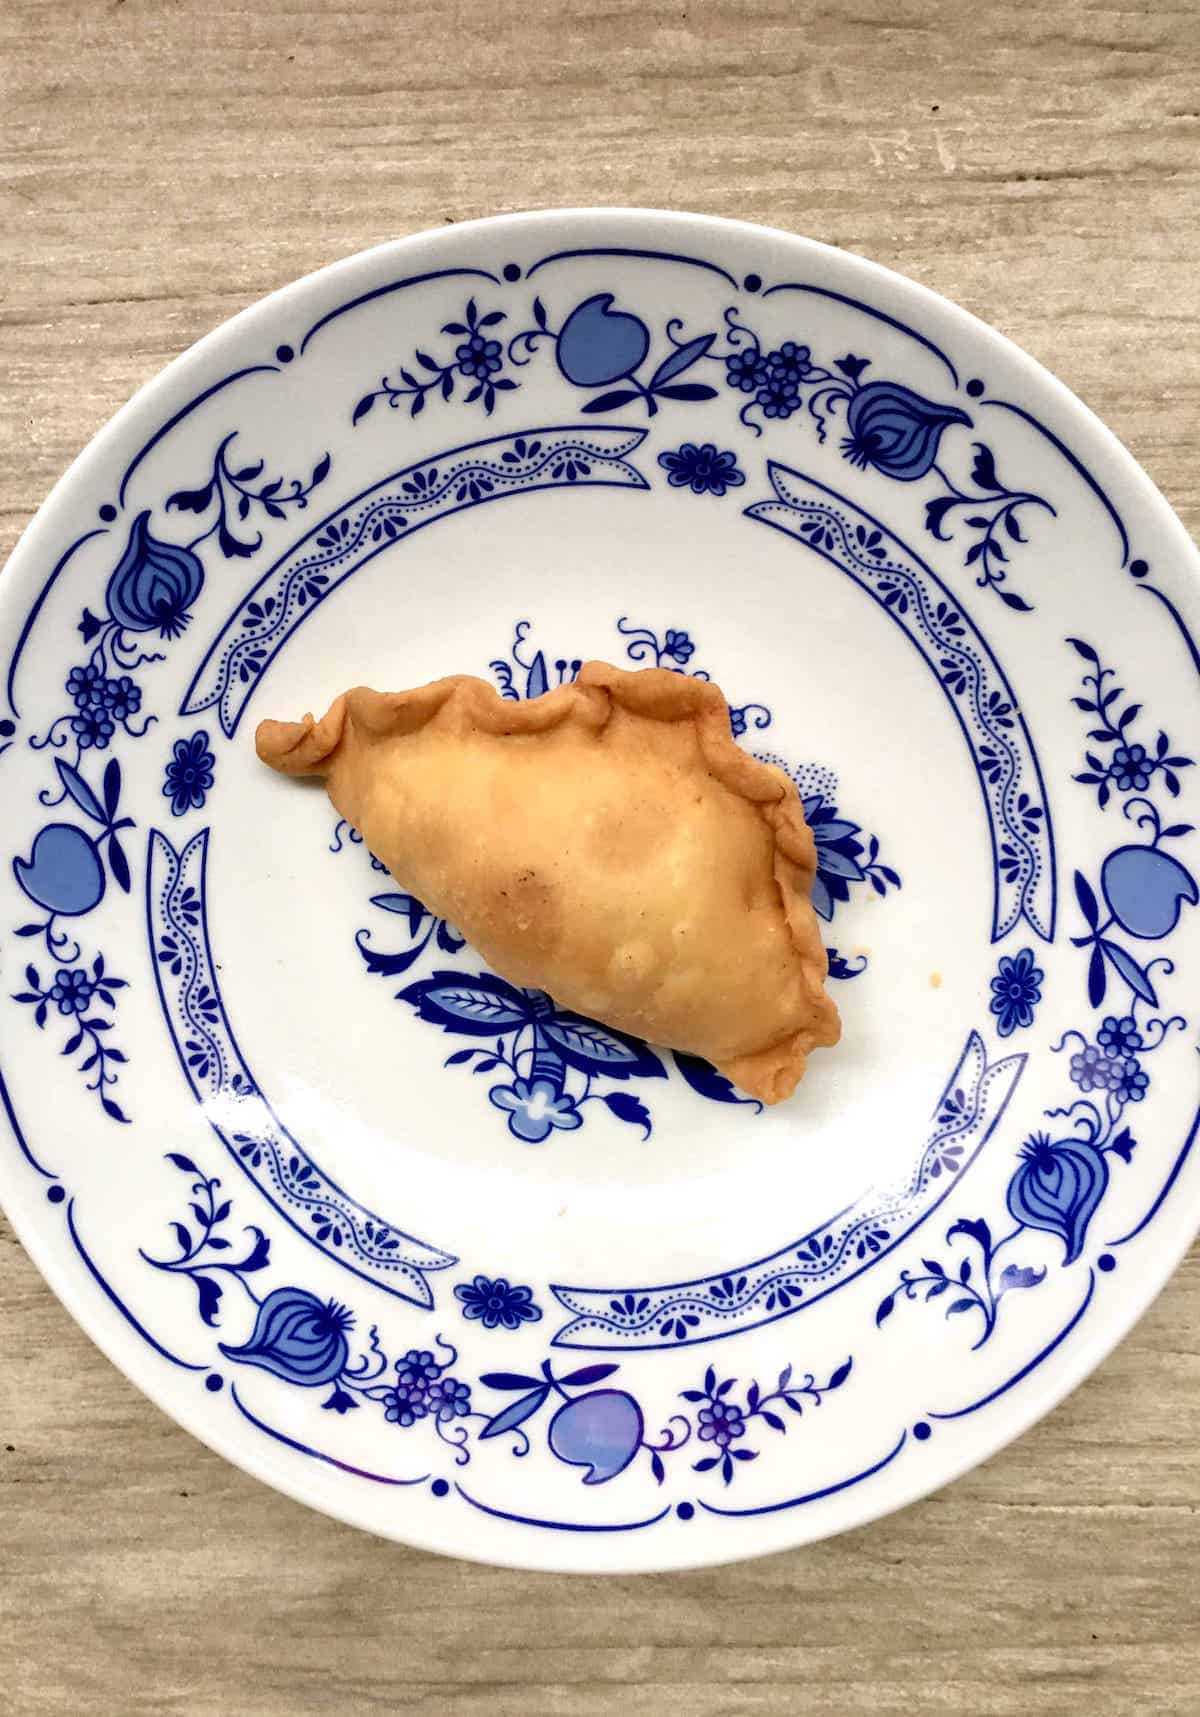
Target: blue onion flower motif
pixel 1091 1069
pixel 746 370
pixel 838 853
pixel 1130 768
pixel 72 991
pixel 154 584
pixel 497 1303
pixel 478 356
pixel 189 774
pixel 702 469
pixel 895 431
pixel 536 1108
pixel 1129 1080
pixel 297 1337
pixel 678 646
pixel 93 727
pixel 790 364
pixel 1057 1187
pixel 449 1399
pixel 1016 991
pixel 598 345
pixel 1119 1037
pixel 721 1422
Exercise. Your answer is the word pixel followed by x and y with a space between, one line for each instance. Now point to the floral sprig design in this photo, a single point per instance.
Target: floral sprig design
pixel 478 358
pixel 1016 991
pixel 75 992
pixel 231 493
pixel 673 651
pixel 723 1420
pixel 189 774
pixel 1132 765
pixel 497 1304
pixel 205 1253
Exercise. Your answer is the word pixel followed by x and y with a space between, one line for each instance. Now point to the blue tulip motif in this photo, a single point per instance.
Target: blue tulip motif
pixel 896 431
pixel 153 586
pixel 297 1337
pixel 1057 1188
pixel 601 1431
pixel 1145 889
pixel 63 872
pixel 598 345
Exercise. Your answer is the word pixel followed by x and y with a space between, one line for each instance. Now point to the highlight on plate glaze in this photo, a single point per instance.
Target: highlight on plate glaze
pixel 954 458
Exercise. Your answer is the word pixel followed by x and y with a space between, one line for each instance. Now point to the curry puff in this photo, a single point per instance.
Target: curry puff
pixel 607 842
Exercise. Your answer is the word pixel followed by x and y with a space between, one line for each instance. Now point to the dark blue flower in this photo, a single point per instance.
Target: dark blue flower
pixel 1130 768
pixel 496 1303
pixel 449 1399
pixel 72 990
pixel 746 370
pixel 1091 1069
pixel 778 396
pixel 1119 1037
pixel 189 774
pixel 1129 1081
pixel 401 1408
pixel 154 584
pixel 122 698
pixel 790 364
pixel 702 469
pixel 478 356
pixel 418 1368
pixel 1016 991
pixel 721 1422
pixel 93 727
pixel 838 854
pixel 297 1337
pixel 895 431
pixel 1057 1187
pixel 86 685
pixel 678 646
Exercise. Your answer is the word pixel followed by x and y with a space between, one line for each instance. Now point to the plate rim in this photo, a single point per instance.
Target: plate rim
pixel 1053 1384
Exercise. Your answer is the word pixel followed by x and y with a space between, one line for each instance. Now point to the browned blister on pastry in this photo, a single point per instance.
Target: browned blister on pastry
pixel 608 843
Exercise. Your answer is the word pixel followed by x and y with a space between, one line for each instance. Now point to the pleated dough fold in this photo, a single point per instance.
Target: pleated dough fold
pixel 608 843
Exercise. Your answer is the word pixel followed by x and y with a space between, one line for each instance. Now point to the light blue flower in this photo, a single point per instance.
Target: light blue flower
pixel 535 1109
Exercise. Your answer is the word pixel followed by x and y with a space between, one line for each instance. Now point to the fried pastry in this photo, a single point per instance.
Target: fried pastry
pixel 607 842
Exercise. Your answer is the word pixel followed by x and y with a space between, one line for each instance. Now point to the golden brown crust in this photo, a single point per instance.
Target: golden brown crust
pixel 464 705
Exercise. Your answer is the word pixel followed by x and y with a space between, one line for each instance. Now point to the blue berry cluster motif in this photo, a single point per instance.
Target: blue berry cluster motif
pixel 551 1064
pixel 1061 1176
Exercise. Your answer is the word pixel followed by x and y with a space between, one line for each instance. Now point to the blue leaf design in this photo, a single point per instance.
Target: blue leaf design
pixel 79 790
pixel 599 1049
pixel 626 1107
pixel 512 1416
pixel 538 681
pixel 1132 973
pixel 479 1005
pixel 704 1079
pixel 681 359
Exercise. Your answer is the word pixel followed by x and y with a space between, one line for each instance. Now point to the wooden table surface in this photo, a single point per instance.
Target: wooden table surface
pixel 166 162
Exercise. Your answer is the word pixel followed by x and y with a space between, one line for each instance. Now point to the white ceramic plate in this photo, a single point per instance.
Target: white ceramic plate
pixel 415 1246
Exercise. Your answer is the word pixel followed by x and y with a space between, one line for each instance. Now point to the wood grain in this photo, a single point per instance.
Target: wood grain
pixel 165 162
